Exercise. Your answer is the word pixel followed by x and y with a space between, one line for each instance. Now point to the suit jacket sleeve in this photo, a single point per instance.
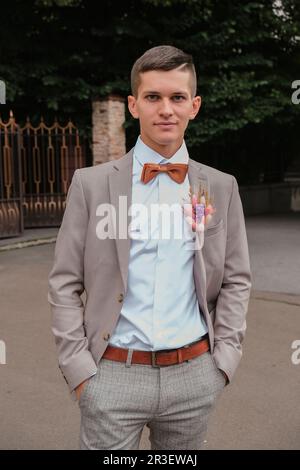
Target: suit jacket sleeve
pixel 66 284
pixel 232 302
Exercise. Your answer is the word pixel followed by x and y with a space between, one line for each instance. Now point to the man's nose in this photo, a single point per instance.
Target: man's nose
pixel 166 107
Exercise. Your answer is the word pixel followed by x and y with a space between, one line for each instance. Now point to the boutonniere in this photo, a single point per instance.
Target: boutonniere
pixel 198 210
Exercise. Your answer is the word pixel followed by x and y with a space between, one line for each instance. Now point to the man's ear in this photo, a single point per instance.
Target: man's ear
pixel 196 104
pixel 132 106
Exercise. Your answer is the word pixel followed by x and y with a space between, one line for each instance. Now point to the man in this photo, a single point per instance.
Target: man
pixel 160 332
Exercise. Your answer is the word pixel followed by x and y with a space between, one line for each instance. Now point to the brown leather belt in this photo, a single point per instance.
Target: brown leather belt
pixel 158 358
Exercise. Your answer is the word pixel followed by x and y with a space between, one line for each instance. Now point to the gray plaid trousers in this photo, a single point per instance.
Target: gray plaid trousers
pixel 173 401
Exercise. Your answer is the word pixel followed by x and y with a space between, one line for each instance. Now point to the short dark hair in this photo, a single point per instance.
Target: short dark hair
pixel 163 58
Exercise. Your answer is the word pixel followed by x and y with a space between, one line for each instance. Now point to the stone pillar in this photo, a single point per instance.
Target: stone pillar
pixel 108 131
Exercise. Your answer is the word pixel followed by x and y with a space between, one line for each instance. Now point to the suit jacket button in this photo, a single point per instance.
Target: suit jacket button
pixel 106 336
pixel 121 297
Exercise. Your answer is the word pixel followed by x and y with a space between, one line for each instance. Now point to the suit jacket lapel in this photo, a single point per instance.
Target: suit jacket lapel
pixel 197 177
pixel 120 184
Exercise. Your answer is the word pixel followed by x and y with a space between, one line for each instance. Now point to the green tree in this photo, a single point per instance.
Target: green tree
pixel 55 56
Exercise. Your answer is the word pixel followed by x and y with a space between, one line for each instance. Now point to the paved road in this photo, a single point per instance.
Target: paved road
pixel 274 246
pixel 259 410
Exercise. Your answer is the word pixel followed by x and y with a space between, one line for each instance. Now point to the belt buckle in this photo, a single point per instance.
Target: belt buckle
pixel 153 360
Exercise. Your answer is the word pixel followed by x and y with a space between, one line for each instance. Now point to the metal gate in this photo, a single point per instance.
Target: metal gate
pixel 36 168
pixel 11 218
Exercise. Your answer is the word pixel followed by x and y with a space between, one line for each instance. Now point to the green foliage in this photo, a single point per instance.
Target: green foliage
pixel 57 55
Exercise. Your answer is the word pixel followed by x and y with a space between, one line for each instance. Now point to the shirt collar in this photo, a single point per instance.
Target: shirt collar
pixel 145 154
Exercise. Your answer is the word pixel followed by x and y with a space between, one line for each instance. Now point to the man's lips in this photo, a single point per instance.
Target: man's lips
pixel 166 124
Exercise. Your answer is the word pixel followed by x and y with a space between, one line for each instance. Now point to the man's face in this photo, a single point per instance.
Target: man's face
pixel 164 106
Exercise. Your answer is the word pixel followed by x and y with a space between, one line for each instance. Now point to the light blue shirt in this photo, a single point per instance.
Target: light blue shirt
pixel 160 309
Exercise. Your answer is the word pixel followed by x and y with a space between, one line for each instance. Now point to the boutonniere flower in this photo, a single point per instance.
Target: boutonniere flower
pixel 198 210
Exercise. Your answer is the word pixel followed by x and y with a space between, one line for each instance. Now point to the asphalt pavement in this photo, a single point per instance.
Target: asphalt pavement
pixel 259 410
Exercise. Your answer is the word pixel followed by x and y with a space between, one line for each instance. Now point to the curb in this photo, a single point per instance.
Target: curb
pixel 278 297
pixel 28 243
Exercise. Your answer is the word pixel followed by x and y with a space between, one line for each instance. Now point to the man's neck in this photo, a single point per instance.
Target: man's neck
pixel 166 151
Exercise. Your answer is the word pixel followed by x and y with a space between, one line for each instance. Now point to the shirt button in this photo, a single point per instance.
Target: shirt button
pixel 106 336
pixel 121 297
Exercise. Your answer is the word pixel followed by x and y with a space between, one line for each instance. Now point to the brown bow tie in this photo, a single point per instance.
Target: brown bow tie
pixel 176 171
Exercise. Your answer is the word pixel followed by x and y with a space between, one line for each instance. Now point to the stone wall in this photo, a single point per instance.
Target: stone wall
pixel 271 198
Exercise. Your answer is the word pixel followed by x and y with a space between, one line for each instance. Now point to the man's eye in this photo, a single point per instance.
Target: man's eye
pixel 178 98
pixel 151 97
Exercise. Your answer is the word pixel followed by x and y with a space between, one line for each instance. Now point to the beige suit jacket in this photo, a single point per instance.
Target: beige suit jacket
pixel 99 268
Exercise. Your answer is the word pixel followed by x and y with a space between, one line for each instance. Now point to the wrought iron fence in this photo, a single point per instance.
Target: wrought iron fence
pixel 36 168
pixel 11 219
